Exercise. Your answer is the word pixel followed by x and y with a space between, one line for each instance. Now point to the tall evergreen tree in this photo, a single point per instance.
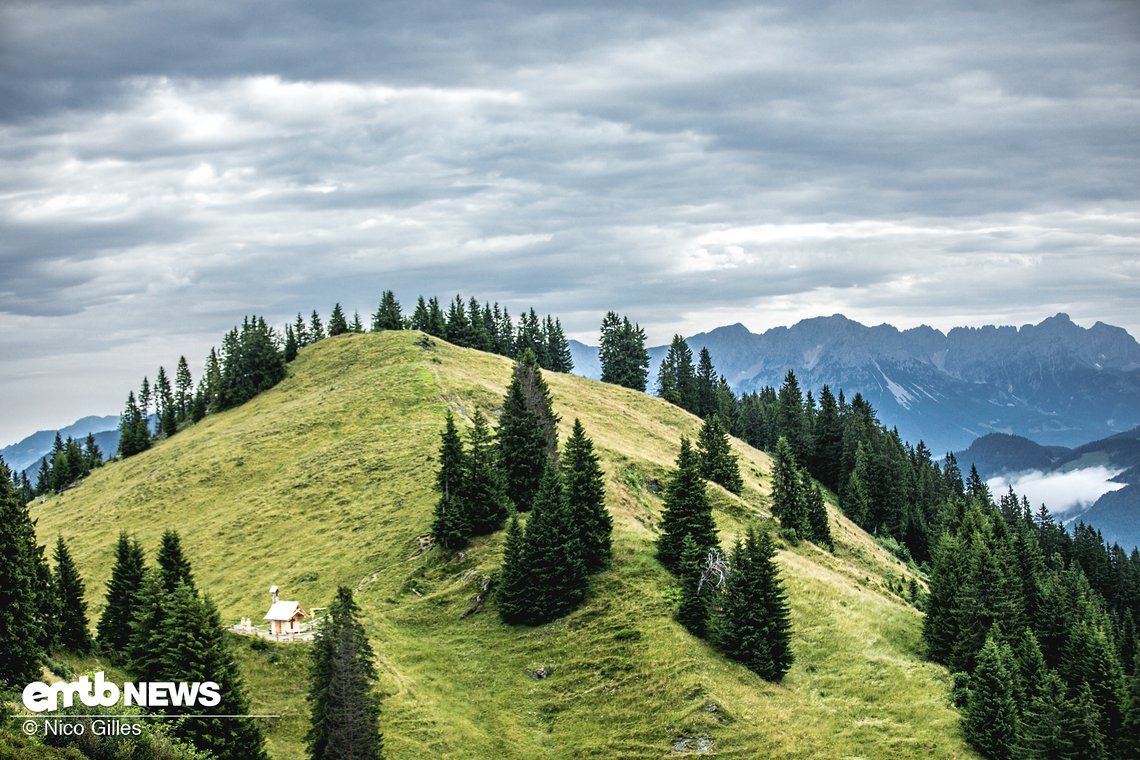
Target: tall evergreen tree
pixel 790 417
pixel 705 381
pixel 513 590
pixel 676 380
pixel 114 629
pixel 622 352
pixel 420 318
pixel 718 463
pixel 551 567
pixel 164 397
pixel 133 434
pixel 484 489
pixel 316 327
pixel 20 627
pixel 558 348
pixel 291 347
pixel 586 497
pixel 991 713
pixel 73 633
pixel 451 527
pixel 301 332
pixel 343 698
pixel 819 529
pixel 437 323
pixel 687 511
pixel 752 623
pixel 528 435
pixel 788 502
pixel 388 315
pixel 194 649
pixel 144 644
pixel 172 563
pixel 693 612
pixel 183 389
pixel 356 326
pixel 338 324
pixel 1130 729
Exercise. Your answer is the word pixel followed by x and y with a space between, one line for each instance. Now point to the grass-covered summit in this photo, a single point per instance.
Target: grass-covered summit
pixel 327 479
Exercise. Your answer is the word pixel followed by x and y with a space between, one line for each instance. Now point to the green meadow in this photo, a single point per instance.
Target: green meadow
pixel 327 480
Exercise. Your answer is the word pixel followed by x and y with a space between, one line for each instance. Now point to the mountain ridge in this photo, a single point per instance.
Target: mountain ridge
pixel 1055 382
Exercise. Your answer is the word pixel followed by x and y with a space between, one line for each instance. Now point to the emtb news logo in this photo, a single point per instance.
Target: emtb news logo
pixel 98 692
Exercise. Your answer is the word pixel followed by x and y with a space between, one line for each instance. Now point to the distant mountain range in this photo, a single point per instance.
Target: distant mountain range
pixel 1064 479
pixel 25 455
pixel 1055 382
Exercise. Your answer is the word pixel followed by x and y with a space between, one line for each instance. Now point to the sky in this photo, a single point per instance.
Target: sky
pixel 168 167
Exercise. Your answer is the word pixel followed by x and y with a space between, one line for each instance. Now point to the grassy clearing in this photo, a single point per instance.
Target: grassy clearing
pixel 326 479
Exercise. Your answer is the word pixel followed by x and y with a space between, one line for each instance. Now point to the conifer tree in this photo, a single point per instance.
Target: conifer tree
pixel 173 566
pixel 184 388
pixel 20 630
pixel 316 327
pixel 790 421
pixel 484 489
pixel 693 612
pixel 437 323
pixel 338 325
pixel 68 584
pixel 356 326
pixel 687 511
pixel 1048 724
pixel 133 434
pixel 552 560
pixel 947 579
pixel 718 463
pixel 145 399
pixel 114 629
pixel 586 497
pixel 291 346
pixel 752 621
pixel 388 315
pixel 458 328
pixel 558 348
pixel 301 332
pixel 513 590
pixel 194 649
pixel 676 380
pixel 787 494
pixel 622 352
pixel 705 382
pixel 991 713
pixel 819 529
pixel 343 698
pixel 451 527
pixel 420 319
pixel 144 645
pixel 164 396
pixel 1130 729
pixel 528 435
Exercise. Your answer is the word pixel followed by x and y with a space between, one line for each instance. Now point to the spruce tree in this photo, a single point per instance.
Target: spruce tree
pixel 316 328
pixel 437 323
pixel 338 324
pixel 552 553
pixel 451 527
pixel 164 398
pixel 184 388
pixel 991 723
pixel 114 630
pixel 172 563
pixel 389 317
pixel 558 348
pixel 74 635
pixel 693 612
pixel 1048 722
pixel 513 590
pixel 484 489
pixel 787 493
pixel 343 698
pixel 145 645
pixel 586 497
pixel 718 463
pixel 819 528
pixel 622 352
pixel 356 326
pixel 752 621
pixel 194 649
pixel 20 626
pixel 675 377
pixel 687 511
pixel 291 347
pixel 133 432
pixel 420 318
pixel 705 382
pixel 301 332
pixel 1130 729
pixel 528 435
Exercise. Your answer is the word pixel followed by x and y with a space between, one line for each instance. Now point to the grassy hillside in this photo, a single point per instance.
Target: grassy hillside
pixel 327 479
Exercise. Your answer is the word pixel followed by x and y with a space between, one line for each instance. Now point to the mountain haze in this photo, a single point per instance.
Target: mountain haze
pixel 327 479
pixel 1055 382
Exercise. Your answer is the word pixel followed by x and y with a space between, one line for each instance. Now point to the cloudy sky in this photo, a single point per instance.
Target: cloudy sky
pixel 166 167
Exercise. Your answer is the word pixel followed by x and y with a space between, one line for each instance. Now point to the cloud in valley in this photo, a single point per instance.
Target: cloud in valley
pixel 1061 492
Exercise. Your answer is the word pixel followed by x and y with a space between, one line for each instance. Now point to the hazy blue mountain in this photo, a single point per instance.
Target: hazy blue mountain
pixel 28 452
pixel 1001 453
pixel 1055 382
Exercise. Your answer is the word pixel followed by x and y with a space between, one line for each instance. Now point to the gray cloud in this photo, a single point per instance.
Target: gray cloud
pixel 166 167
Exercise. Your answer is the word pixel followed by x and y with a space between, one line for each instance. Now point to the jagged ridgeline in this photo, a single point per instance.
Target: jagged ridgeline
pixel 328 479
